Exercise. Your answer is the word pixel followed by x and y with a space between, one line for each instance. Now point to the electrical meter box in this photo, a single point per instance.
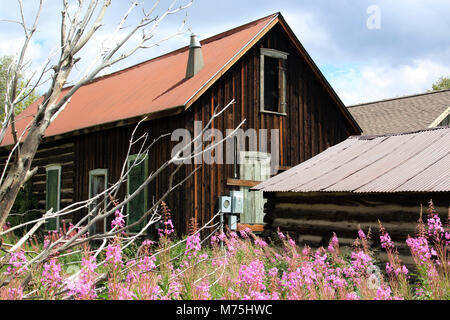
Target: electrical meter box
pixel 232 222
pixel 237 201
pixel 225 204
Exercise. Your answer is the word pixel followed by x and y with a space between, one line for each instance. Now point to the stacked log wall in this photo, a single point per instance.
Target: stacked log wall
pixel 311 218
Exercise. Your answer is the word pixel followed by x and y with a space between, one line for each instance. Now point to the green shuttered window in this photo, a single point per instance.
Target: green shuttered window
pixel 138 205
pixel 98 182
pixel 52 194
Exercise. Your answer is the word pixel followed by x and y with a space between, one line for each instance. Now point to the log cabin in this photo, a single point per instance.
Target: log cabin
pixel 359 181
pixel 261 65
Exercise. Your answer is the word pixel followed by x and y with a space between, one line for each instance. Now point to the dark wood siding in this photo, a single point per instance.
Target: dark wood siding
pixel 60 152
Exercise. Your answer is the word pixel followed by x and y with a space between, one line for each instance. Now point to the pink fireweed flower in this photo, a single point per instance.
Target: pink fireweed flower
pixel 291 282
pixel 123 293
pixel 175 289
pixel 118 220
pixel 292 243
pixel 234 294
pixel 361 261
pixel 261 243
pixel 148 243
pixel 281 235
pixel 352 296
pixel 389 269
pixel 83 287
pixel 257 295
pixel 400 270
pixel 383 293
pixel 334 243
pixel 361 234
pixel 245 232
pixel 447 238
pixel 306 251
pixel 420 292
pixel 386 241
pixel 168 228
pixel 273 272
pixel 15 293
pixel 218 262
pixel 51 276
pixel 252 276
pixel 420 249
pixel 435 229
pixel 89 263
pixel 222 236
pixel 203 256
pixel 404 270
pixel 17 262
pixel 203 290
pixel 193 245
pixel 147 263
pixel 113 255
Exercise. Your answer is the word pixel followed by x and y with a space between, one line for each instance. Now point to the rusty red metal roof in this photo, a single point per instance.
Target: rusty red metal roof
pixel 149 87
pixel 405 162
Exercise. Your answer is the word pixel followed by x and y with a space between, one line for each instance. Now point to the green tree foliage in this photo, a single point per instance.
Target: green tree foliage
pixel 441 84
pixel 5 63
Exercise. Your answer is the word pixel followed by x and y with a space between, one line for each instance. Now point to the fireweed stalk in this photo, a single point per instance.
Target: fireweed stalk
pixel 395 270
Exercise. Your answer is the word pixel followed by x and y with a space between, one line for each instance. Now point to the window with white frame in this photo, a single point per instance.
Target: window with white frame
pixel 273 81
pixel 98 182
pixel 53 194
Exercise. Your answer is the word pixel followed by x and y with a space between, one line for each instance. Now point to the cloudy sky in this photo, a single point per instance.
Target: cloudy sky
pixel 368 50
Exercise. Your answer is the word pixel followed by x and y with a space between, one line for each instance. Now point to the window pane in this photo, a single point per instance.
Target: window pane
pixel 445 122
pixel 97 186
pixel 51 196
pixel 137 206
pixel 271 83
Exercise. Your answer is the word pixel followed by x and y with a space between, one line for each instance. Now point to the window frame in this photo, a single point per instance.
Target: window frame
pixel 58 168
pixel 131 158
pixel 280 55
pixel 442 117
pixel 98 172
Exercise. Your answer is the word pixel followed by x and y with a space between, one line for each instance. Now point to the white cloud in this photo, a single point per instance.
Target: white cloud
pixel 366 83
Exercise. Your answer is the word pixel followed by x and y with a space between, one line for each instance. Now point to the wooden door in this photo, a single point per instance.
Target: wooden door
pixel 254 166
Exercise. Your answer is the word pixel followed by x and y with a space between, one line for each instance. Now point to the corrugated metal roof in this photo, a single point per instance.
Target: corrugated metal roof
pixel 149 87
pixel 408 113
pixel 408 162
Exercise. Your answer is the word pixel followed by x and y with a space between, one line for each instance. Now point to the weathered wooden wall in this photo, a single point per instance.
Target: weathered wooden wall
pixel 60 152
pixel 311 218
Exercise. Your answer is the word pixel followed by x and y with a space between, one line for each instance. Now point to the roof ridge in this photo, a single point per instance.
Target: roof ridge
pixel 179 50
pixel 363 137
pixel 399 98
